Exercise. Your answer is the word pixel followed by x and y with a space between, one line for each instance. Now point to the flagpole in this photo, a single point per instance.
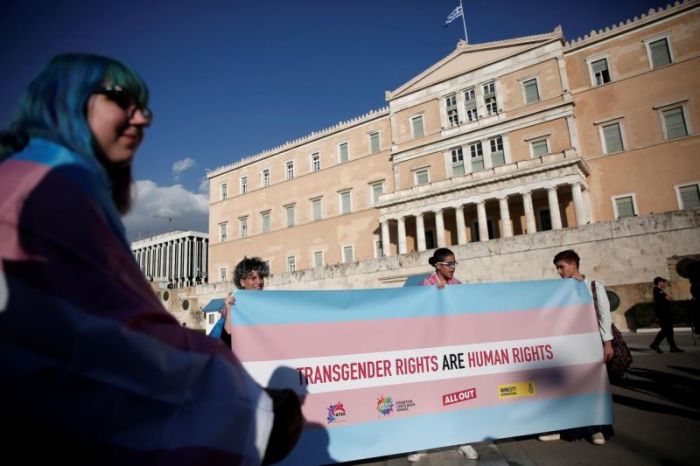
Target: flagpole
pixel 464 23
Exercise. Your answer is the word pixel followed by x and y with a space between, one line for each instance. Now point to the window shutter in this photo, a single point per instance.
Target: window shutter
pixel 418 127
pixel 690 196
pixel 599 65
pixel 675 123
pixel 625 207
pixel 531 93
pixel 613 138
pixel 659 53
pixel 539 148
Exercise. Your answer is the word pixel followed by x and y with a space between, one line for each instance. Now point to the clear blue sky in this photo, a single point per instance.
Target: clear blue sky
pixel 230 78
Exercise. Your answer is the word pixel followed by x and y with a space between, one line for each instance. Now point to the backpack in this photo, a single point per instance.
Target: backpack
pixel 622 357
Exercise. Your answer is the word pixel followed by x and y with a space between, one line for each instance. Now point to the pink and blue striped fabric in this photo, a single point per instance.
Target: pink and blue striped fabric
pixel 388 371
pixel 92 368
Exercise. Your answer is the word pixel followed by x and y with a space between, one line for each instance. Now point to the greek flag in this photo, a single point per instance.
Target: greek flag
pixel 456 13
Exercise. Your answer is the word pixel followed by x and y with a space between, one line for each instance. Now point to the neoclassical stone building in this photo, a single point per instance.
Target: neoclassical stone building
pixel 177 258
pixel 497 140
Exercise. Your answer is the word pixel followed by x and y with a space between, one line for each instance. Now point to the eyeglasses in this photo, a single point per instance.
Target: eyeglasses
pixel 450 265
pixel 126 100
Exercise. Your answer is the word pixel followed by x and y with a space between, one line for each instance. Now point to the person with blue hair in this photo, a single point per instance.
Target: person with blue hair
pixel 93 369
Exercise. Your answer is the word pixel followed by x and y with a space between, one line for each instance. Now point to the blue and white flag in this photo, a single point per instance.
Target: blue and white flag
pixel 456 13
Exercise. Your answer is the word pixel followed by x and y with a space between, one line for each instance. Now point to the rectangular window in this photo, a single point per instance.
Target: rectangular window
pixel 659 53
pixel 289 169
pixel 265 221
pixel 451 109
pixel 315 162
pixel 457 161
pixel 243 224
pixel 674 123
pixel 244 184
pixel 223 191
pixel 470 104
pixel 343 154
pixel 417 126
pixel 223 227
pixel 490 98
pixel 477 156
pixel 378 249
pixel 316 209
pixel 291 263
pixel 265 178
pixel 624 207
pixel 348 254
pixel 222 274
pixel 539 147
pixel 345 202
pixel 290 215
pixel 318 258
pixel 532 94
pixel 374 142
pixel 600 71
pixel 377 190
pixel 612 134
pixel 421 177
pixel 498 157
pixel 689 196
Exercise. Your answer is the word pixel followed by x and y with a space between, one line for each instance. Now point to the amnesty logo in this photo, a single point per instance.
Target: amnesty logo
pixel 516 390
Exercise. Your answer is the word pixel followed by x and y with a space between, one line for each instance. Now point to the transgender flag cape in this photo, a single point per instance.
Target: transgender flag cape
pixel 398 370
pixel 92 368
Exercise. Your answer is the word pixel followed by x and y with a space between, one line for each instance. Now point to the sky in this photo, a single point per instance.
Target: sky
pixel 230 79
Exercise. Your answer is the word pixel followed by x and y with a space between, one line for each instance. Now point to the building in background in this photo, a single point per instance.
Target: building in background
pixel 175 259
pixel 518 145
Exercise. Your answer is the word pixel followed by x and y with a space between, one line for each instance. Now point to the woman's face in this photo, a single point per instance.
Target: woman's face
pixel 446 267
pixel 117 124
pixel 253 281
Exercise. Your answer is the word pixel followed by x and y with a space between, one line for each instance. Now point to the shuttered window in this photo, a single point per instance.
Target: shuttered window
pixel 539 148
pixel 625 207
pixel 417 125
pixel 601 74
pixel 497 155
pixel 531 92
pixel 690 196
pixel 675 123
pixel 660 55
pixel 613 138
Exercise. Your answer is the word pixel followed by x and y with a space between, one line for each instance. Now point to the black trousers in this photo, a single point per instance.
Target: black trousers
pixel 665 332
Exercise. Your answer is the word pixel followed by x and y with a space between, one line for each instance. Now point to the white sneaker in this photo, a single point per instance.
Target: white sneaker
pixel 469 451
pixel 415 457
pixel 549 437
pixel 598 438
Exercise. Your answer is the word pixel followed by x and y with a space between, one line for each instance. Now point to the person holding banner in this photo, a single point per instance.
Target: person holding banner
pixel 94 370
pixel 567 264
pixel 445 263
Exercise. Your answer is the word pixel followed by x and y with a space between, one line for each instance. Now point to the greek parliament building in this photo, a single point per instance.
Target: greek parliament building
pixel 506 152
pixel 176 259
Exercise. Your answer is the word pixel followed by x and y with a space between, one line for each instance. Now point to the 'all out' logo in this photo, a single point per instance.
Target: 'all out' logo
pixel 335 411
pixel 385 406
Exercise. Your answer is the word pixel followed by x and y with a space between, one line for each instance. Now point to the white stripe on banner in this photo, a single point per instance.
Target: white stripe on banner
pixel 456 13
pixel 363 370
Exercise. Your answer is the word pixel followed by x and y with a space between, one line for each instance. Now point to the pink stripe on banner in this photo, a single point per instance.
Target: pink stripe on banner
pixel 415 399
pixel 291 341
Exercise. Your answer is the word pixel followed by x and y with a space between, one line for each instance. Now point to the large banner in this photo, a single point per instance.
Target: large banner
pixel 387 371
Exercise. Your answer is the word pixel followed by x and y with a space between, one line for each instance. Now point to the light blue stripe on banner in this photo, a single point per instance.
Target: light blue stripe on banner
pixel 293 307
pixel 322 446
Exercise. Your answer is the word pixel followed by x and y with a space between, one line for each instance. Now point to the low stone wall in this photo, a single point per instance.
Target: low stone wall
pixel 625 255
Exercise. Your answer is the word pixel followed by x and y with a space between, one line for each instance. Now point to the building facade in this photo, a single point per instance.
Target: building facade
pixel 176 259
pixel 496 140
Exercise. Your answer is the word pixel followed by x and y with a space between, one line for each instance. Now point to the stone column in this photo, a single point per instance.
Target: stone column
pixel 461 229
pixel 205 259
pixel 506 223
pixel 420 231
pixel 481 217
pixel 530 224
pixel 188 249
pixel 402 235
pixel 440 228
pixel 587 205
pixel 386 242
pixel 554 208
pixel 579 210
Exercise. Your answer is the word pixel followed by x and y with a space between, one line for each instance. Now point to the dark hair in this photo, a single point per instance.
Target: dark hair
pixel 567 256
pixel 439 256
pixel 54 104
pixel 247 265
pixel 658 280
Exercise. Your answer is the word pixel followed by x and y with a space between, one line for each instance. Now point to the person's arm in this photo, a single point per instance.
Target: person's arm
pixel 604 322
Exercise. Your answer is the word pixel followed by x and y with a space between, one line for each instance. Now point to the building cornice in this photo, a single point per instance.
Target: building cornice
pixel 165 237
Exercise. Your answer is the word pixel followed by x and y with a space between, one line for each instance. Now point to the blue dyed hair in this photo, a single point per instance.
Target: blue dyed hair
pixel 54 105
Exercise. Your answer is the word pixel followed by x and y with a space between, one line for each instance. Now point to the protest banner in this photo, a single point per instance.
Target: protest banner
pixel 387 371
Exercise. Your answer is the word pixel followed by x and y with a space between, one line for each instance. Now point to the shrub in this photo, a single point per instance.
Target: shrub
pixel 642 315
